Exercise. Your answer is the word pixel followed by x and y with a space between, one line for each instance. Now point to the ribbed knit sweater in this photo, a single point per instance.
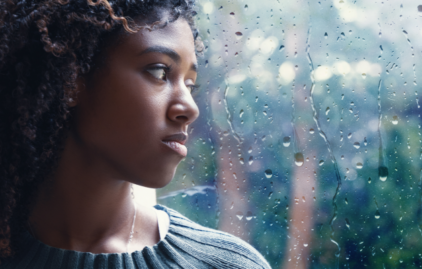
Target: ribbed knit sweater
pixel 186 245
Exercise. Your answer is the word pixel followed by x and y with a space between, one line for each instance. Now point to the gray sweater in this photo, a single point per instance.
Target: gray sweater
pixel 186 245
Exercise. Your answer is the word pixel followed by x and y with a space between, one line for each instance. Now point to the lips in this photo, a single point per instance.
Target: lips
pixel 176 142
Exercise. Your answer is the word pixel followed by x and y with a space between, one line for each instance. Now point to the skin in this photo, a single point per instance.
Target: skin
pixel 124 111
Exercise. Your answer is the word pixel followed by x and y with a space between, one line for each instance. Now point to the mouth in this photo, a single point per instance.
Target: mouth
pixel 177 142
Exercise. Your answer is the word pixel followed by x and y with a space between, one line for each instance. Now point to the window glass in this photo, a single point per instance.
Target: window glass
pixel 308 145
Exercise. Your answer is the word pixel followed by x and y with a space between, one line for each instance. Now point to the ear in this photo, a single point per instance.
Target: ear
pixel 72 95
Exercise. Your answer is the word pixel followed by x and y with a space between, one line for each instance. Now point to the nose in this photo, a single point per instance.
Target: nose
pixel 183 108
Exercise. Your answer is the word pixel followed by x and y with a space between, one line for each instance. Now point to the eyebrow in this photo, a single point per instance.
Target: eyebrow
pixel 169 52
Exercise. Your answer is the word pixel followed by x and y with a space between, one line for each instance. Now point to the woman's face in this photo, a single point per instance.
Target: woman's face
pixel 133 113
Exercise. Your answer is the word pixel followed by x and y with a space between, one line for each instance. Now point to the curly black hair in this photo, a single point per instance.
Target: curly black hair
pixel 44 46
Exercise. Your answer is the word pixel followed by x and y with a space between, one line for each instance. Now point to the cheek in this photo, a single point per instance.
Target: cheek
pixel 120 115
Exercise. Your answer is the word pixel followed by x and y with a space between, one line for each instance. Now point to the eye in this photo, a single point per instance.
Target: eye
pixel 159 72
pixel 193 88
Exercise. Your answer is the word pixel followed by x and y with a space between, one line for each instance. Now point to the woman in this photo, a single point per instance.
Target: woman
pixel 95 97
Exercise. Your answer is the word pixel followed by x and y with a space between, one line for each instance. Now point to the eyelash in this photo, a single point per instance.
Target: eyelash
pixel 193 88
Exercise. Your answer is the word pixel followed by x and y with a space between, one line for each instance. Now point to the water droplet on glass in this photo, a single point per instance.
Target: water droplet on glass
pixel 363 75
pixel 395 120
pixel 359 165
pixel 239 215
pixel 349 135
pixel 299 159
pixel 281 48
pixel 321 162
pixel 346 201
pixel 286 141
pixel 268 173
pixel 327 110
pixel 365 142
pixel 347 223
pixel 325 35
pixel 305 245
pixel 232 13
pixel 369 180
pixel 241 113
pixel 420 8
pixel 249 215
pixel 377 214
pixel 250 150
pixel 250 160
pixel 356 145
pixel 383 173
pixel 311 131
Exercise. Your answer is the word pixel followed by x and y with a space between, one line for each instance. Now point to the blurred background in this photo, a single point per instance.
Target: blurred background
pixel 309 141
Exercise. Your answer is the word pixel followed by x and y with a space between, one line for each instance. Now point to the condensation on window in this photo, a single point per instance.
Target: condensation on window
pixel 309 141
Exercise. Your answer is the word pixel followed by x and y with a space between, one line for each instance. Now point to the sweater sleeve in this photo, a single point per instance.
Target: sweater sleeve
pixel 214 248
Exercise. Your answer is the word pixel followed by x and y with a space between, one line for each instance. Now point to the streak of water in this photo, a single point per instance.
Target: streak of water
pixel 229 116
pixel 295 136
pixel 382 167
pixel 413 55
pixel 420 203
pixel 217 215
pixel 327 143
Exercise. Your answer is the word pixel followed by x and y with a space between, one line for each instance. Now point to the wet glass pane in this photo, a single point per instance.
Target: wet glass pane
pixel 309 141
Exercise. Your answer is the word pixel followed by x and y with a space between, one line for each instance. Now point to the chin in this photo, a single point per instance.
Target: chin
pixel 156 181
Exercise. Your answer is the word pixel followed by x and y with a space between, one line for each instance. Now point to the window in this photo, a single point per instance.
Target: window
pixel 309 141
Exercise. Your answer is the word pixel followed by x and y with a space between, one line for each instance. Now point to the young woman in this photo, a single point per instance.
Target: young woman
pixel 95 97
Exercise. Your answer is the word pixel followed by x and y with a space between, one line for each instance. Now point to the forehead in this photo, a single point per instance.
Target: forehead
pixel 176 36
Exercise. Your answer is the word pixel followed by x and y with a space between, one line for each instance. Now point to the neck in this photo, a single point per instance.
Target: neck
pixel 85 206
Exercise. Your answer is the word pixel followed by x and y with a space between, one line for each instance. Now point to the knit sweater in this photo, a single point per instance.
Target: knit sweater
pixel 186 245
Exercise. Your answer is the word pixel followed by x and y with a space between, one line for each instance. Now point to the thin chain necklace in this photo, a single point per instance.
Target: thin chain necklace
pixel 31 228
pixel 134 219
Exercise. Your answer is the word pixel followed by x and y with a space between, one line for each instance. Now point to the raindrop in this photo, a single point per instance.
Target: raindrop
pixel 305 245
pixel 299 159
pixel 241 113
pixel 347 223
pixel 377 214
pixel 327 110
pixel 349 135
pixel 420 8
pixel 286 141
pixel 239 215
pixel 232 13
pixel 241 160
pixel 383 173
pixel 311 131
pixel 356 145
pixel 363 75
pixel 246 6
pixel 395 120
pixel 281 48
pixel 342 157
pixel 369 180
pixel 321 162
pixel 250 150
pixel 249 215
pixel 250 160
pixel 359 165
pixel 346 201
pixel 239 33
pixel 365 142
pixel 268 173
pixel 325 35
